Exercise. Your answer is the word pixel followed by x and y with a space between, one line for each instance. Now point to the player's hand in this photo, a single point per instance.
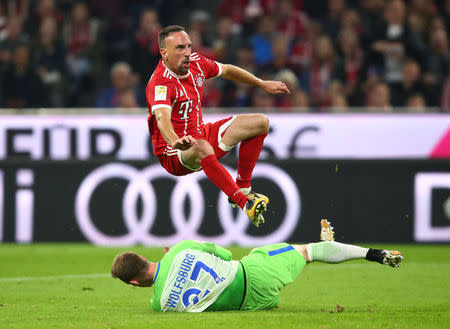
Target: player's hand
pixel 275 87
pixel 184 143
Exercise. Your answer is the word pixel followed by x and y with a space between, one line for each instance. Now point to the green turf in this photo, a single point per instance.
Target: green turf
pixel 417 295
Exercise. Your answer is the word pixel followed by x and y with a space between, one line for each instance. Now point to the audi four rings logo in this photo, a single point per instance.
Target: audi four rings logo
pixel 186 225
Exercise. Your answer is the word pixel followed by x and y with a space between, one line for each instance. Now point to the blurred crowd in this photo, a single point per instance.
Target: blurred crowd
pixel 334 55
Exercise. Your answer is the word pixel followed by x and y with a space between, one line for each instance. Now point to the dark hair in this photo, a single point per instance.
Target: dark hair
pixel 128 266
pixel 165 32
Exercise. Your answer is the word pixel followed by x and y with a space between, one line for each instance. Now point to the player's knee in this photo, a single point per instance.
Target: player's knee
pixel 301 248
pixel 262 122
pixel 203 149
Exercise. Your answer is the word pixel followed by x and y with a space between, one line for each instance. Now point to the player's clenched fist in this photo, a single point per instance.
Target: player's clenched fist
pixel 184 143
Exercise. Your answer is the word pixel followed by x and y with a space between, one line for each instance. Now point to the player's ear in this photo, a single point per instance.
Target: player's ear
pixel 134 283
pixel 163 52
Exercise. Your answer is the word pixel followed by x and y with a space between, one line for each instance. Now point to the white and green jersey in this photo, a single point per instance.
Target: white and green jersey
pixel 191 276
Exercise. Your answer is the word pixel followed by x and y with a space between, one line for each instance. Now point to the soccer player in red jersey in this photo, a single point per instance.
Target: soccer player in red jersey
pixel 182 142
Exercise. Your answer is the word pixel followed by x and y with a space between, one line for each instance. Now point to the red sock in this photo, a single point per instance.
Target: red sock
pixel 248 155
pixel 222 179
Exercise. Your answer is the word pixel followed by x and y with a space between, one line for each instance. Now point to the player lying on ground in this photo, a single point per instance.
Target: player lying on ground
pixel 196 276
pixel 182 142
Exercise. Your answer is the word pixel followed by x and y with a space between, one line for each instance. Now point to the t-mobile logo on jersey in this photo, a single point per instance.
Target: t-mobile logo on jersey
pixel 23 206
pixel 185 109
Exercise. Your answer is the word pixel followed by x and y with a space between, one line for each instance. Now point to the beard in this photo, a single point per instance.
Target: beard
pixel 183 68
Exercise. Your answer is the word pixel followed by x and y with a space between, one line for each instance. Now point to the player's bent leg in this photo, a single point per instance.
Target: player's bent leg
pixel 192 157
pixel 335 252
pixel 250 130
pixel 203 155
pixel 245 126
pixel 268 269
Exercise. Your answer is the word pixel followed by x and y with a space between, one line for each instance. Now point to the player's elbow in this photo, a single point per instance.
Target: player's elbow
pixel 226 71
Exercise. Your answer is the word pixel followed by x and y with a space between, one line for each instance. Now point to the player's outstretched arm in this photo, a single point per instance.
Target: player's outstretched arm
pixel 236 74
pixel 162 116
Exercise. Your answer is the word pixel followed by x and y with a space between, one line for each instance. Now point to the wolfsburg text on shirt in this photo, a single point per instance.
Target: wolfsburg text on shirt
pixel 180 281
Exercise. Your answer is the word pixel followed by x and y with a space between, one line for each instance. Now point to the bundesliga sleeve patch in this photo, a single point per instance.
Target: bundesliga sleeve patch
pixel 160 93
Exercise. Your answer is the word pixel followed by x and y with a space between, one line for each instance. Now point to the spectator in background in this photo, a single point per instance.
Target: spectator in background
pixel 281 60
pixel 3 20
pixel 198 23
pixel 339 103
pixel 11 9
pixel 212 96
pixel 390 44
pixel 438 62
pixel 417 24
pixel 239 95
pixel 14 37
pixel 411 83
pixel 225 42
pixel 243 13
pixel 351 19
pixel 50 61
pixel 145 49
pixel 300 101
pixel 80 36
pixel 289 21
pixel 197 40
pixel 379 98
pixel 436 23
pixel 43 9
pixel 416 103
pixel 371 12
pixel 302 50
pixel 446 13
pixel 262 101
pixel 127 99
pixel 122 82
pixel 332 22
pixel 350 66
pixel 21 85
pixel 115 28
pixel 318 79
pixel 262 41
pixel 335 90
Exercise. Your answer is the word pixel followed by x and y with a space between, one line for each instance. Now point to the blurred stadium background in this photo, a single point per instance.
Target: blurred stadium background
pixel 364 139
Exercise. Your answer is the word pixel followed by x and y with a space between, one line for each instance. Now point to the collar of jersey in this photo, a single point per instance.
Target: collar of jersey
pixel 174 74
pixel 157 271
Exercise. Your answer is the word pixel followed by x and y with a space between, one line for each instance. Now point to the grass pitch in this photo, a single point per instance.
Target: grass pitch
pixel 68 286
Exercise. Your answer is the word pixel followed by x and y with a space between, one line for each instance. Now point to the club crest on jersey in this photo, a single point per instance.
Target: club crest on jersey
pixel 200 79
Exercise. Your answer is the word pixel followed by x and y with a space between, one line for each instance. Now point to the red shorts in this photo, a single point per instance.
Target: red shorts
pixel 212 132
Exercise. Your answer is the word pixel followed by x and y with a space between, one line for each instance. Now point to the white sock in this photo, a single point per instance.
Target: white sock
pixel 334 252
pixel 246 190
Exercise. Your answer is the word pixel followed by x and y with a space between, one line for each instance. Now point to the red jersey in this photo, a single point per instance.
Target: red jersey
pixel 180 94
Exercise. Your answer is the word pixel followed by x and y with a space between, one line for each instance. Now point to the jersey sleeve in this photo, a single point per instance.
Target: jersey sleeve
pixel 210 68
pixel 160 94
